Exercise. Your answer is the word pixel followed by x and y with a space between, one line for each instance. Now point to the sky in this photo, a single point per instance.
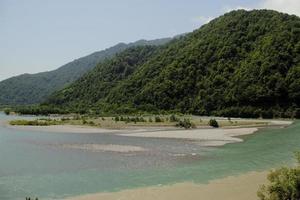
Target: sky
pixel 42 35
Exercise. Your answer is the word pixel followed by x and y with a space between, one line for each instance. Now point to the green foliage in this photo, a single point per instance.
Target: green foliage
pixel 297 155
pixel 186 123
pixel 7 111
pixel 284 185
pixel 150 120
pixel 92 87
pixel 213 123
pixel 91 123
pixel 173 118
pixel 158 119
pixel 242 64
pixel 34 122
pixel 130 119
pixel 41 110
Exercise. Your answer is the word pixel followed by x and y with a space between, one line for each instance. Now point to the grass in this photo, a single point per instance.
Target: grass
pixel 37 122
pixel 119 122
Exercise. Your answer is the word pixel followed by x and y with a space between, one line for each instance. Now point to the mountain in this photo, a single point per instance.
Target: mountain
pixel 244 63
pixel 35 88
pixel 98 83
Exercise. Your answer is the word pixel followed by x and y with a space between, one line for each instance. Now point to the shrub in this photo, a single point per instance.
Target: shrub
pixel 64 119
pixel 91 123
pixel 77 117
pixel 186 123
pixel 173 118
pixel 141 119
pixel 150 120
pixel 7 111
pixel 213 123
pixel 158 119
pixel 284 184
pixel 33 122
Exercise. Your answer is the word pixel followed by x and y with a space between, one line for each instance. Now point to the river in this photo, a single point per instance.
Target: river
pixel 35 164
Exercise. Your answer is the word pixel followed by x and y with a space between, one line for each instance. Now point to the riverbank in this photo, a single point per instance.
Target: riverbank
pixel 242 187
pixel 152 121
pixel 204 135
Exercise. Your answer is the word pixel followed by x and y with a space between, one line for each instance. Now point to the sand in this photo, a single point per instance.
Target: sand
pixel 208 137
pixel 242 187
pixel 104 147
pixel 64 129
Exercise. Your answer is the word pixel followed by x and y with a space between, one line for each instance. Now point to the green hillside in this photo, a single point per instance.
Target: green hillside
pixel 245 63
pixel 35 88
pixel 98 83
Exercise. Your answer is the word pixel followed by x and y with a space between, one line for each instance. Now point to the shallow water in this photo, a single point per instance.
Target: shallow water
pixel 33 164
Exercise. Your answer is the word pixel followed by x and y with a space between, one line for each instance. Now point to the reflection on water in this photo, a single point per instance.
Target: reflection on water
pixel 35 164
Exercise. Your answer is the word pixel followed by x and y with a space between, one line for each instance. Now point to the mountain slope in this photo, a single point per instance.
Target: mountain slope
pixel 97 83
pixel 34 88
pixel 245 63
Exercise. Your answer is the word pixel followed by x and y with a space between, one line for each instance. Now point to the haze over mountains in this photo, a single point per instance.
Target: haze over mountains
pixel 34 88
pixel 245 63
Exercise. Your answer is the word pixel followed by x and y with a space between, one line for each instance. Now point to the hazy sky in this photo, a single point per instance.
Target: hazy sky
pixel 41 35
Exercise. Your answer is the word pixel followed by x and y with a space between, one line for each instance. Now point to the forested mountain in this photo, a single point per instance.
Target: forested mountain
pixel 34 88
pixel 97 83
pixel 245 63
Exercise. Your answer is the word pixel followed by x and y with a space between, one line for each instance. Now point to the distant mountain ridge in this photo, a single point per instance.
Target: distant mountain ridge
pixel 34 88
pixel 242 64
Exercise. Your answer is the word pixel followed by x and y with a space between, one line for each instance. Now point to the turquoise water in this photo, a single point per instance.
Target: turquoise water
pixel 34 164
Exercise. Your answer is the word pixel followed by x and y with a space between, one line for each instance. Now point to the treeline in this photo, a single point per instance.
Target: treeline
pixel 244 112
pixel 252 112
pixel 39 110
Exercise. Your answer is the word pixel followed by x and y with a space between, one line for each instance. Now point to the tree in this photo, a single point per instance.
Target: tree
pixel 284 184
pixel 213 123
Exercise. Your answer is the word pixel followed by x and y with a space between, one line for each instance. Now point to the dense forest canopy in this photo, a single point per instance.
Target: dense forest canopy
pixel 97 83
pixel 244 63
pixel 35 88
